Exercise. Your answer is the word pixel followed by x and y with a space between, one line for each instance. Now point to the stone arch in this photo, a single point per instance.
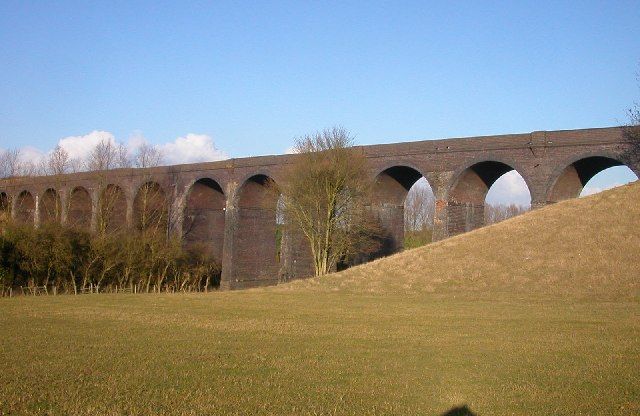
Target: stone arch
pixel 204 217
pixel 25 207
pixel 255 251
pixel 569 180
pixel 150 210
pixel 389 194
pixel 112 213
pixel 467 193
pixel 80 208
pixel 50 207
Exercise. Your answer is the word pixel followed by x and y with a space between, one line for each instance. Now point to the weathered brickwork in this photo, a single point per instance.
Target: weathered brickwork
pixel 230 206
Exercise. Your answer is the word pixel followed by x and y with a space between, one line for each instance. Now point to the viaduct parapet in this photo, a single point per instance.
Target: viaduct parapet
pixel 227 205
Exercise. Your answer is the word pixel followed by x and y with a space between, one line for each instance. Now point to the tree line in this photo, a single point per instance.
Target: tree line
pixel 70 258
pixel 105 155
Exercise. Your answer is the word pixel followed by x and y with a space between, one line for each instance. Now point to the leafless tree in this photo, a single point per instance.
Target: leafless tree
pixel 148 156
pixel 632 129
pixel 325 193
pixel 102 157
pixel 501 212
pixel 419 207
pixel 29 168
pixel 122 157
pixel 76 165
pixel 10 163
pixel 58 161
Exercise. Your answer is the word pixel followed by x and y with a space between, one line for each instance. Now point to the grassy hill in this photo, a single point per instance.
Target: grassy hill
pixel 538 315
pixel 587 247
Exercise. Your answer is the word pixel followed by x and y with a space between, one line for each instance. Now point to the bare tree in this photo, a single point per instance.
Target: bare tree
pixel 325 194
pixel 10 164
pixel 148 156
pixel 631 130
pixel 58 161
pixel 76 165
pixel 501 212
pixel 102 157
pixel 29 168
pixel 122 157
pixel 419 208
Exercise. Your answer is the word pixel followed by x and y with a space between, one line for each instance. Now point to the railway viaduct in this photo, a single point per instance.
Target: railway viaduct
pixel 227 205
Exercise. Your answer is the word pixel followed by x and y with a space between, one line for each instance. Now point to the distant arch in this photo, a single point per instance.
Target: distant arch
pixel 80 208
pixel 204 217
pixel 569 182
pixel 467 194
pixel 390 190
pixel 25 208
pixel 150 210
pixel 256 257
pixel 112 209
pixel 50 207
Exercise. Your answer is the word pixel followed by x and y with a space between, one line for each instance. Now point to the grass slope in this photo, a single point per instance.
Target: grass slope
pixel 587 247
pixel 419 333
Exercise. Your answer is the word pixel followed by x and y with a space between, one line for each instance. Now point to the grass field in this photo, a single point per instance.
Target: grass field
pixel 271 352
pixel 540 317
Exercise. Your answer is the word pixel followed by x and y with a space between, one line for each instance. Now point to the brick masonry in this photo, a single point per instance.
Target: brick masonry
pixel 229 207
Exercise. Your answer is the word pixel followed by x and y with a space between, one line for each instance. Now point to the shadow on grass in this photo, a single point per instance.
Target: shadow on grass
pixel 459 411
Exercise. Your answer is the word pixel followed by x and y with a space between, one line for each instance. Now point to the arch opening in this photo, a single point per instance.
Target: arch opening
pixel 608 178
pixel 574 178
pixel 256 257
pixel 402 201
pixel 419 214
pixel 50 207
pixel 25 208
pixel 112 216
pixel 204 218
pixel 150 209
pixel 80 209
pixel 508 197
pixel 474 190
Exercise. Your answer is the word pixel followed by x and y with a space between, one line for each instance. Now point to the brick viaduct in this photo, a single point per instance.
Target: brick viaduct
pixel 226 205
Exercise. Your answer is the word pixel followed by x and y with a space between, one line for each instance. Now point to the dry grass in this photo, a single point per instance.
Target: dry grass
pixel 540 317
pixel 588 247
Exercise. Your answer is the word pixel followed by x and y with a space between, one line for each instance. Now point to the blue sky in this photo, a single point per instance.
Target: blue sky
pixel 251 76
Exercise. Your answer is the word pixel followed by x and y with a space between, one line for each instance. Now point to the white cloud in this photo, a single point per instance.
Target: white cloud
pixel 79 147
pixel 291 150
pixel 510 188
pixel 191 148
pixel 136 140
pixel 30 154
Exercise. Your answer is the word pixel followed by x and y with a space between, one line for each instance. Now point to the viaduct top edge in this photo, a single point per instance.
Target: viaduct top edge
pixel 537 138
